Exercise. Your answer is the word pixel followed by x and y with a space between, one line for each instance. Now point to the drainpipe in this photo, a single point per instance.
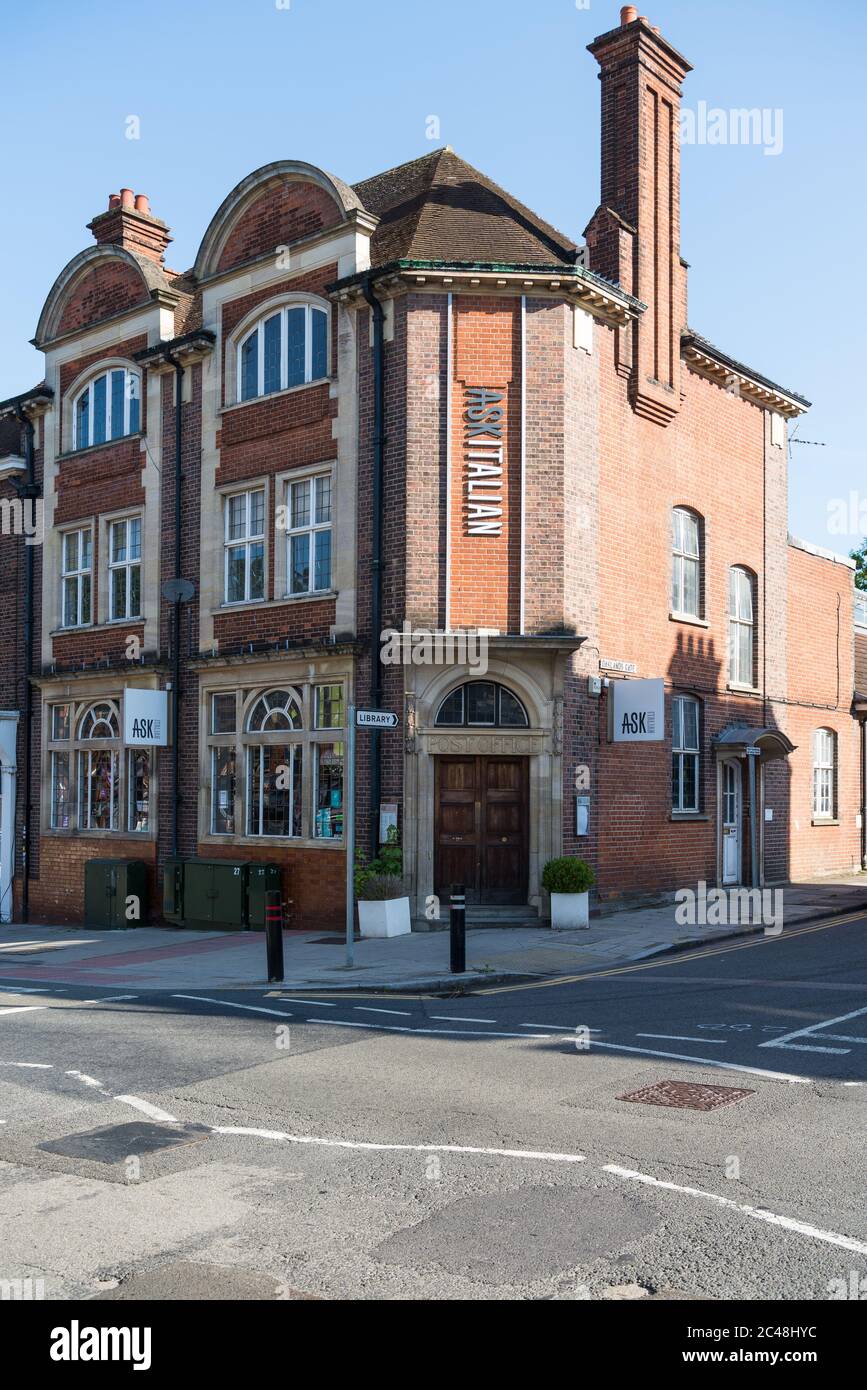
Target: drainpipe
pixel 28 491
pixel 176 617
pixel 376 555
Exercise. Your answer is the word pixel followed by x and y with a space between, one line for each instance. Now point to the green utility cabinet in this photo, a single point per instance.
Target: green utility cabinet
pixel 215 893
pixel 262 879
pixel 108 883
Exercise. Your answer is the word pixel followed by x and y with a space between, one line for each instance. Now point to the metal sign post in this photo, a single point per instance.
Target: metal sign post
pixel 361 719
pixel 349 831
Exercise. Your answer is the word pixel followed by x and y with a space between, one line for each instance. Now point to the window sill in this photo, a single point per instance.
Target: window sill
pixel 688 618
pixel 824 820
pixel 287 842
pixel 97 627
pixel 688 816
pixel 274 395
pixel 738 689
pixel 93 448
pixel 145 836
pixel 315 595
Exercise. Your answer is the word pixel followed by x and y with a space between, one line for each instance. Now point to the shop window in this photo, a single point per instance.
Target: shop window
pixel 686 563
pixel 481 704
pixel 685 754
pixel 94 782
pixel 287 347
pixel 824 774
pixel 274 790
pixel 109 407
pixel 328 791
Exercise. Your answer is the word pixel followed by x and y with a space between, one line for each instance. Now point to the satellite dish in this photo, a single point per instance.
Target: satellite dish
pixel 178 590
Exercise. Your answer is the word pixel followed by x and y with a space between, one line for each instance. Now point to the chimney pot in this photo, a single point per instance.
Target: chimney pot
pixel 113 201
pixel 127 198
pixel 628 14
pixel 142 203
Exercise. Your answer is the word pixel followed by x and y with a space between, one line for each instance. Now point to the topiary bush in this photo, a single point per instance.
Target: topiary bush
pixel 567 875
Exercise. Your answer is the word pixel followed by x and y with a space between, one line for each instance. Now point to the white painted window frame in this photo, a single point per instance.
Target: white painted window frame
pixel 245 542
pixel 131 392
pixel 681 557
pixel 283 310
pixel 738 621
pixel 824 774
pixel 681 750
pixel 310 530
pixel 128 565
pixel 78 574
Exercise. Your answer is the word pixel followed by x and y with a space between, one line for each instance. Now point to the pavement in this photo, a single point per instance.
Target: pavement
pixel 683 1127
pixel 169 958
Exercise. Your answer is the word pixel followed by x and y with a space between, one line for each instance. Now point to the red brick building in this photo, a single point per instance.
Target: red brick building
pixel 414 402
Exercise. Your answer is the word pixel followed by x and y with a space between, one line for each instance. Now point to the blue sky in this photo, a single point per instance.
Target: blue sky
pixel 221 88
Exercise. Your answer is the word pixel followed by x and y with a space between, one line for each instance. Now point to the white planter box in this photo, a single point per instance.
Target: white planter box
pixel 387 918
pixel 570 911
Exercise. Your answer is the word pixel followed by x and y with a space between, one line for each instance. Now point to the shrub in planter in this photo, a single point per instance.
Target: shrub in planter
pixel 568 881
pixel 383 906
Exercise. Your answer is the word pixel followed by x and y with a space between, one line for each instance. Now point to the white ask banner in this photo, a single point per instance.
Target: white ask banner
pixel 637 711
pixel 146 718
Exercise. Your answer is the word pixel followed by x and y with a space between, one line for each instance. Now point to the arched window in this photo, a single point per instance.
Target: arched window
pixel 107 408
pixel 99 768
pixel 686 563
pixel 824 774
pixel 482 704
pixel 288 347
pixel 274 766
pixel 741 627
pixel 685 753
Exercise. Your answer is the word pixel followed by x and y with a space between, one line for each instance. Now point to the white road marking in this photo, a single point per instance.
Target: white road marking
pixel 399 1013
pixel 113 998
pixel 683 1037
pixel 23 1008
pixel 813 1029
pixel 31 989
pixel 311 1003
pixel 705 1062
pixel 399 1148
pixel 147 1109
pixel 461 1018
pixel 808 1047
pixel 30 1066
pixel 858 1247
pixel 225 1003
pixel 843 1037
pixel 431 1032
pixel 564 1027
pixel 86 1080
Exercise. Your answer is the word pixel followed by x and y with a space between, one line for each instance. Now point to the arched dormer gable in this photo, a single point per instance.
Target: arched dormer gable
pixel 96 284
pixel 276 205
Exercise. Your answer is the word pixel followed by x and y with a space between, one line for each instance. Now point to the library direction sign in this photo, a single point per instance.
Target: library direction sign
pixel 376 719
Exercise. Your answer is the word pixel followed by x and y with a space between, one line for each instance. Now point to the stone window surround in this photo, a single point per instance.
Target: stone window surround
pixel 248 686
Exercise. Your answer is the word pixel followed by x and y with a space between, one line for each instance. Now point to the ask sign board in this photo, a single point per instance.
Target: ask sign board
pixel 637 711
pixel 145 718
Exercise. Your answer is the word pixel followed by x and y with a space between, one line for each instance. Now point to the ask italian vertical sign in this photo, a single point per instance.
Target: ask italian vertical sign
pixel 483 460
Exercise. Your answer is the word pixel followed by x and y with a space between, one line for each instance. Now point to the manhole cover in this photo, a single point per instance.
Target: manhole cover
pixel 114 1143
pixel 687 1095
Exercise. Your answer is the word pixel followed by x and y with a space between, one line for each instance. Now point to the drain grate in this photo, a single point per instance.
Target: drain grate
pixel 115 1143
pixel 687 1095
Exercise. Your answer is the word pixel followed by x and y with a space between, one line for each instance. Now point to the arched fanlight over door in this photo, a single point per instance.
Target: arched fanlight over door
pixel 481 705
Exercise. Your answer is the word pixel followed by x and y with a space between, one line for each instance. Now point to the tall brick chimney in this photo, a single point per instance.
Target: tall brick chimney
pixel 634 236
pixel 130 223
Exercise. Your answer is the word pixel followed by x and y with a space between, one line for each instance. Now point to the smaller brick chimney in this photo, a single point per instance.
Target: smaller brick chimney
pixel 130 223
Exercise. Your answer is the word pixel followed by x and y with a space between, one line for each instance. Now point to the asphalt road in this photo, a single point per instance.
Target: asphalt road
pixel 262 1144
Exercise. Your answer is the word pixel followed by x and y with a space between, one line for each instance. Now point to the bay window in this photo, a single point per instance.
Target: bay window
pixel 94 783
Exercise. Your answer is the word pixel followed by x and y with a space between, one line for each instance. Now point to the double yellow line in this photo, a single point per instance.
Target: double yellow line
pixel 685 958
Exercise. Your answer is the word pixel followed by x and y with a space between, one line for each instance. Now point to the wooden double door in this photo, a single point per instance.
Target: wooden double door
pixel 481 828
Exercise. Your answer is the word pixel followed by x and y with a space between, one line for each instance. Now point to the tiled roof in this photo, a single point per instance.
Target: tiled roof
pixel 440 208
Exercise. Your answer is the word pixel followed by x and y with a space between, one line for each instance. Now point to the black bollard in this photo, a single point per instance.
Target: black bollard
pixel 274 936
pixel 458 929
